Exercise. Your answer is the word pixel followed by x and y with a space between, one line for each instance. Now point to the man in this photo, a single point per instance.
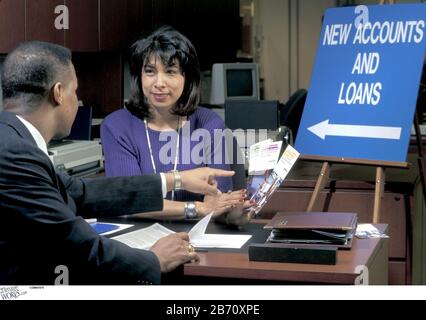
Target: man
pixel 40 229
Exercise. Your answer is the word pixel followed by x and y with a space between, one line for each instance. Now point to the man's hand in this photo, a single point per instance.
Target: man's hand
pixel 172 251
pixel 201 180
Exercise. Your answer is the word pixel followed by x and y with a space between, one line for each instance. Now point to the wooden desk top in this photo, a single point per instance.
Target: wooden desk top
pixel 237 265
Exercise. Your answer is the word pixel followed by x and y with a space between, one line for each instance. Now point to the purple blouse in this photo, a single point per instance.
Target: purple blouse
pixel 126 150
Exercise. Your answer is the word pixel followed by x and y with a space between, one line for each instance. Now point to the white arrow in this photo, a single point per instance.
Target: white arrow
pixel 324 129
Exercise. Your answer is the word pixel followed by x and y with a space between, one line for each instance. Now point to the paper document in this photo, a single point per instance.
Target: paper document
pixel 200 239
pixel 364 231
pixel 145 238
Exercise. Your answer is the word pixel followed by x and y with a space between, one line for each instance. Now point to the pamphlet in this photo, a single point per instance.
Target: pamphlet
pixel 261 187
pixel 263 156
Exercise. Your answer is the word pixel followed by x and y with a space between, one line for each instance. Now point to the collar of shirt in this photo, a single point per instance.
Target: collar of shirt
pixel 41 144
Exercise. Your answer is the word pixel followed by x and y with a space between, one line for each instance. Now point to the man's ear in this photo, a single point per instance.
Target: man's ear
pixel 57 93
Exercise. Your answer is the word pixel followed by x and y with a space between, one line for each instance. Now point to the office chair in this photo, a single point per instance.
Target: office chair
pixel 239 178
pixel 291 112
pixel 251 114
pixel 237 165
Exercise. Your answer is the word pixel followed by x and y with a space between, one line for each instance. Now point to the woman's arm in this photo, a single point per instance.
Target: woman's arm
pixel 171 210
pixel 120 157
pixel 212 204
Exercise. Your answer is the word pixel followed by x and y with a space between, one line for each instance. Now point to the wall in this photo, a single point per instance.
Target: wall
pixel 286 35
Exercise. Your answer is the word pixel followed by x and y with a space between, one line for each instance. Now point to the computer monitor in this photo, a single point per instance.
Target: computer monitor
pixel 82 126
pixel 234 81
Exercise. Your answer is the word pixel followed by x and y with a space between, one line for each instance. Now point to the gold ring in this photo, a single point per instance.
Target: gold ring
pixel 190 248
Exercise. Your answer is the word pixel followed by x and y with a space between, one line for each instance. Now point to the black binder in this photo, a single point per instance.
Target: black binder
pixel 321 228
pixel 306 237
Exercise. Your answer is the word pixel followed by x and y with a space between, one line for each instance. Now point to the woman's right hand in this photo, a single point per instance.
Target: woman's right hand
pixel 220 203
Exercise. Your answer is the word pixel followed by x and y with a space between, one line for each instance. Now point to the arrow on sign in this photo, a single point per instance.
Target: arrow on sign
pixel 324 129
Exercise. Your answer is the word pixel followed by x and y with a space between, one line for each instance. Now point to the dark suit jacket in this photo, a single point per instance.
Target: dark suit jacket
pixel 40 228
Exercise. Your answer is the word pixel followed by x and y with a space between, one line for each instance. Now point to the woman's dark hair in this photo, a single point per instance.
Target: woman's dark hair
pixel 170 46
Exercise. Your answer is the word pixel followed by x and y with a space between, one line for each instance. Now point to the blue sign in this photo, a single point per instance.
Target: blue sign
pixel 365 81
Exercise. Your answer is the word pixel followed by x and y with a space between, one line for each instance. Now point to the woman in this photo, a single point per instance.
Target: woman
pixel 162 129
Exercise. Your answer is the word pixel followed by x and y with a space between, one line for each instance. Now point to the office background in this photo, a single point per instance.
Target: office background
pixel 280 35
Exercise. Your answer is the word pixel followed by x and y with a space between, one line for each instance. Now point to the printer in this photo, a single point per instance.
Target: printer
pixel 79 158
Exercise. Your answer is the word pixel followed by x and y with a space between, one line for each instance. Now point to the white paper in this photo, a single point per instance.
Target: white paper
pixel 367 230
pixel 200 239
pixel 146 237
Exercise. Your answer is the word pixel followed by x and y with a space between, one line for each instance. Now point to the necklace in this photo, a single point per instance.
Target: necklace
pixel 151 153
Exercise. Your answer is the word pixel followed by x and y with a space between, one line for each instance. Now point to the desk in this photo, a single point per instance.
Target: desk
pixel 351 189
pixel 231 266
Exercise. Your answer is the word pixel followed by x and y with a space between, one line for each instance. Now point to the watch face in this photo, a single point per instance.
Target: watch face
pixel 190 212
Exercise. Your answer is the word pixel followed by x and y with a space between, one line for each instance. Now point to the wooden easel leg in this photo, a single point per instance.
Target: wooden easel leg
pixel 378 193
pixel 321 182
pixel 420 158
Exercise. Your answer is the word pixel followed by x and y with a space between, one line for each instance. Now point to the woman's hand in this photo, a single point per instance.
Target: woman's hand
pixel 220 203
pixel 239 215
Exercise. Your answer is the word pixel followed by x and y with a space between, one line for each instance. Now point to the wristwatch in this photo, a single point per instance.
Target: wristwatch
pixel 178 180
pixel 190 210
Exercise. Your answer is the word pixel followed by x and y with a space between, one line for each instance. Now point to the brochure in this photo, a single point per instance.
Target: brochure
pixel 261 186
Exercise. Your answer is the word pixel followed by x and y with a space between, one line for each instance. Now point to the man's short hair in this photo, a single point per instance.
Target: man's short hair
pixel 30 71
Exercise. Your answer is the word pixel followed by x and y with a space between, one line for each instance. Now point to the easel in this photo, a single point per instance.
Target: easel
pixel 324 176
pixel 389 1
pixel 420 159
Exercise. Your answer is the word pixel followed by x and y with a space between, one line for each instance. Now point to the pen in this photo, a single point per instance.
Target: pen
pixel 90 221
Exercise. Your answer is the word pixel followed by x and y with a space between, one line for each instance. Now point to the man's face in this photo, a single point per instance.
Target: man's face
pixel 68 108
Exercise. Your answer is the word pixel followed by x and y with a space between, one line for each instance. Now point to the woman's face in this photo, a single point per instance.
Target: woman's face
pixel 162 85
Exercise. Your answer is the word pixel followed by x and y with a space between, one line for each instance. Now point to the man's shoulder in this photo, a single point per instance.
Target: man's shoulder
pixel 15 145
pixel 10 136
